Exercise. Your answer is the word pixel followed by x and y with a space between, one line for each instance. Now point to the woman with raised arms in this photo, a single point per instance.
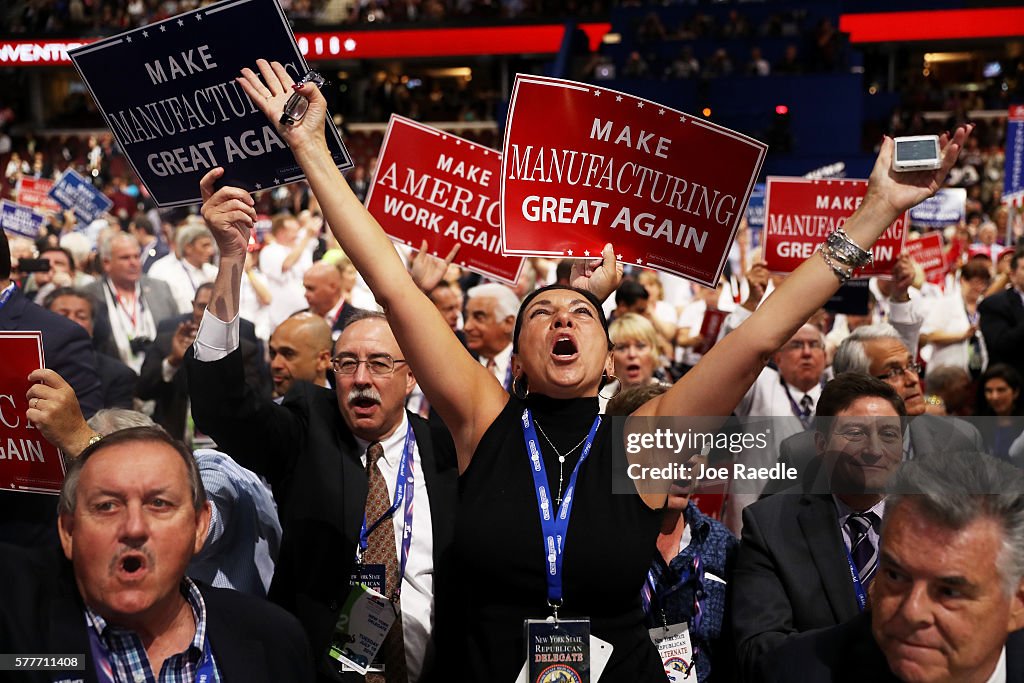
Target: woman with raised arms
pixel 508 564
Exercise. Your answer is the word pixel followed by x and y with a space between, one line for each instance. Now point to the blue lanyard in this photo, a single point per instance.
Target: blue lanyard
pixel 8 292
pixel 105 667
pixel 858 587
pixel 554 528
pixel 404 490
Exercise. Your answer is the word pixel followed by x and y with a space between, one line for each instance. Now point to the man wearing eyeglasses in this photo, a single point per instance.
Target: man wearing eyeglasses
pixel 806 560
pixel 336 461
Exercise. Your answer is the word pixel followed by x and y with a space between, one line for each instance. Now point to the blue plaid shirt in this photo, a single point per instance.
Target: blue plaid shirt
pixel 127 661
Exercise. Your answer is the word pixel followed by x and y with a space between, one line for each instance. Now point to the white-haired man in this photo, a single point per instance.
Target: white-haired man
pixel 490 319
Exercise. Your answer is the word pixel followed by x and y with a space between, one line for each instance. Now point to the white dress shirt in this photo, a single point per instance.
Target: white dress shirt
pixel 502 362
pixel 183 278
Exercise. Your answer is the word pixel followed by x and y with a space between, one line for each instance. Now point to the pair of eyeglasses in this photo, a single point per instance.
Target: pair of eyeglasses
pixel 814 345
pixel 897 373
pixel 379 364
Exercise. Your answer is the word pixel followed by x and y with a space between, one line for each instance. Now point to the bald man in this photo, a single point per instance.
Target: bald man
pixel 300 350
pixel 328 287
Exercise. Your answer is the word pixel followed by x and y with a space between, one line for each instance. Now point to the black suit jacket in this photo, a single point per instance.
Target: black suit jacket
pixel 928 434
pixel 251 639
pixel 28 519
pixel 171 408
pixel 311 459
pixel 848 654
pixel 118 381
pixel 1002 324
pixel 791 574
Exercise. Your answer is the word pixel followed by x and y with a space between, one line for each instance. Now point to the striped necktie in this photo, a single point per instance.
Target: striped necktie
pixel 862 549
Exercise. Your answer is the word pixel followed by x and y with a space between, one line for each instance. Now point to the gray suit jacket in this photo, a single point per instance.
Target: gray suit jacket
pixel 791 574
pixel 928 434
pixel 156 297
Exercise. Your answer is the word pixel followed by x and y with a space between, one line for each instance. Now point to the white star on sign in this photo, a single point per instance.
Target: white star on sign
pixel 618 98
pixel 163 28
pixel 259 186
pixel 618 257
pixel 276 181
pixel 639 260
pixel 181 22
pixel 586 253
pixel 145 34
pixel 199 17
pixel 128 39
pixel 569 252
pixel 597 93
pixel 639 105
pixel 661 112
pixel 682 119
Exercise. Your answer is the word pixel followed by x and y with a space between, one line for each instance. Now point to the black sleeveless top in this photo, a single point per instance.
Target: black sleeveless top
pixel 497 558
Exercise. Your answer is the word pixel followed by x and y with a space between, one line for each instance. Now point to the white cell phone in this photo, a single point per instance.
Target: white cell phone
pixel 917 153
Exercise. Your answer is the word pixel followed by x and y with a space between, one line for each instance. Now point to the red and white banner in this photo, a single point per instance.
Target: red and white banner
pixel 35 193
pixel 585 166
pixel 28 463
pixel 927 252
pixel 434 186
pixel 800 214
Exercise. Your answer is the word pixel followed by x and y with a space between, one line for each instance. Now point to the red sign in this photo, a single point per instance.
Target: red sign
pixel 434 186
pixel 34 192
pixel 28 463
pixel 927 251
pixel 709 329
pixel 800 214
pixel 584 166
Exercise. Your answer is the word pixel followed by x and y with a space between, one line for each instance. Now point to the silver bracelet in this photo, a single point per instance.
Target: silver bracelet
pixel 843 275
pixel 846 251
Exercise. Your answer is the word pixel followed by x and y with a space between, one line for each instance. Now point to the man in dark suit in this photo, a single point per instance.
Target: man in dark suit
pixel 129 305
pixel 117 379
pixel 132 513
pixel 879 351
pixel 312 447
pixel 1002 319
pixel 162 378
pixel 799 553
pixel 28 518
pixel 948 601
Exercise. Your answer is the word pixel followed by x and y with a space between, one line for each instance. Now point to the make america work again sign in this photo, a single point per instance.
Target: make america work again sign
pixel 168 93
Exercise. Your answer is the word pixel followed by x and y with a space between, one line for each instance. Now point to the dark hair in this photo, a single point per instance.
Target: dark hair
pixel 840 393
pixel 1006 373
pixel 537 292
pixel 48 248
pixel 69 489
pixel 975 269
pixel 202 288
pixel 563 270
pixel 629 292
pixel 69 291
pixel 1017 254
pixel 141 221
pixel 5 257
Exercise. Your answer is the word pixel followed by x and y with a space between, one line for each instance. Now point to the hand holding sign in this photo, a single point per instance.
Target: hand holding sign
pixel 901 191
pixel 600 278
pixel 229 214
pixel 53 408
pixel 902 278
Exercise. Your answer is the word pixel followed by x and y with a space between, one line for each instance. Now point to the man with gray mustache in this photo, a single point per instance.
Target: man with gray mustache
pixel 345 467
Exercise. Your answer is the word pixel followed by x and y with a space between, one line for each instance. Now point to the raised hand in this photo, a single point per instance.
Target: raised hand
pixel 54 409
pixel 599 277
pixel 272 92
pixel 903 190
pixel 229 213
pixel 428 270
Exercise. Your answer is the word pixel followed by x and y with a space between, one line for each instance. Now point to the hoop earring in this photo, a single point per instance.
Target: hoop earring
pixel 611 379
pixel 515 388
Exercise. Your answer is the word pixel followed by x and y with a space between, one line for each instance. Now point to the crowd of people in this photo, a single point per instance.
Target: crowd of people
pixel 268 400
